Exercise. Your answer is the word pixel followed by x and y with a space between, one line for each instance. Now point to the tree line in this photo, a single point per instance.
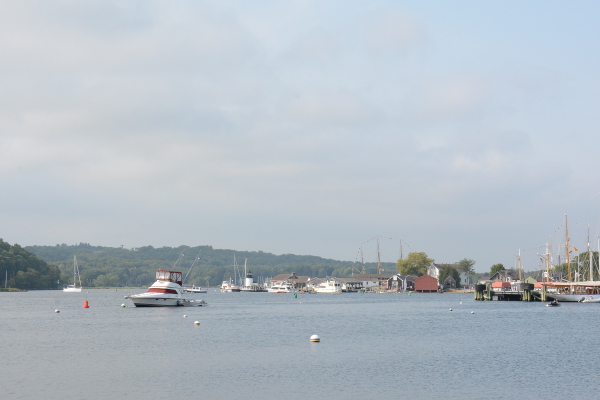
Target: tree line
pixel 21 269
pixel 116 267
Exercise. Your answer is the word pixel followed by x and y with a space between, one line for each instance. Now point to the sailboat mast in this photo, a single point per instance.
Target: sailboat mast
pixel 547 264
pixel 567 250
pixel 362 260
pixel 520 267
pixel 401 256
pixel 590 256
pixel 378 257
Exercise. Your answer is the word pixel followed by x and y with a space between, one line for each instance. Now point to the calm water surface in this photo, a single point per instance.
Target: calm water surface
pixel 256 346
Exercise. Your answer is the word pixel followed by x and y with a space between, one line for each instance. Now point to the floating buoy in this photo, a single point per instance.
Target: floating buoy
pixel 460 302
pixel 196 322
pixel 409 293
pixel 472 312
pixel 450 310
pixel 85 304
pixel 56 311
pixel 295 295
pixel 315 339
pixel 185 316
pixel 123 305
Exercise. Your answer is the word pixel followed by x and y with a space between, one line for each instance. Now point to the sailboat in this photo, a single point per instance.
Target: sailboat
pixel 229 286
pixel 586 291
pixel 73 287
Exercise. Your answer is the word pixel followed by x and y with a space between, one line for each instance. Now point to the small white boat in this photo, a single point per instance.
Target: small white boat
pixel 195 289
pixel 165 292
pixel 74 288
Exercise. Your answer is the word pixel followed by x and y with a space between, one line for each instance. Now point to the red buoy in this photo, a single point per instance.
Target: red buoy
pixel 85 304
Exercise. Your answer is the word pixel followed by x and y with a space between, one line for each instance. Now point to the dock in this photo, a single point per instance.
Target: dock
pixel 485 292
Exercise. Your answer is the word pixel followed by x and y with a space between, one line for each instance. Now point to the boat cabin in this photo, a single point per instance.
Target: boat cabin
pixel 169 276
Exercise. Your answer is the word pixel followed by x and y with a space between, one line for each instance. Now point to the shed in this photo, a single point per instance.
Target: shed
pixel 426 283
pixel 450 283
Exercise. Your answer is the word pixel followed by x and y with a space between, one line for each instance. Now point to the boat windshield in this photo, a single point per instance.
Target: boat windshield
pixel 171 276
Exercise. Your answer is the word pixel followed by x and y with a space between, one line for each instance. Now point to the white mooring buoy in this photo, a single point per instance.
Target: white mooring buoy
pixel 196 322
pixel 315 339
pixel 123 305
pixel 472 312
pixel 57 311
pixel 450 310
pixel 185 316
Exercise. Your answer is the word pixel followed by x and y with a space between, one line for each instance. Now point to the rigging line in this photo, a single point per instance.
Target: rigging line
pixel 191 266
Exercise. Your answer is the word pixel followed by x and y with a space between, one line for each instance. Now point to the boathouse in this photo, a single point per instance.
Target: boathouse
pixel 371 280
pixel 350 284
pixel 425 284
pixel 450 283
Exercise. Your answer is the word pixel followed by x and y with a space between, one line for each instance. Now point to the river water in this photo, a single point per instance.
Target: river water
pixel 256 346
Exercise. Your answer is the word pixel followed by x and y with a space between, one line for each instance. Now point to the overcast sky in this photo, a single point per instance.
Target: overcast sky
pixel 467 129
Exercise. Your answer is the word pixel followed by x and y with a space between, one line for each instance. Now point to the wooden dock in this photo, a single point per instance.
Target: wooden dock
pixel 485 292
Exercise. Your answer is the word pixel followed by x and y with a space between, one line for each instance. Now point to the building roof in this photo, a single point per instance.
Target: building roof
pixel 290 278
pixel 373 277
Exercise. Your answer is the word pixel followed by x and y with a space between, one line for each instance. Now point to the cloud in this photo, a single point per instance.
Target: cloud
pixel 292 127
pixel 392 30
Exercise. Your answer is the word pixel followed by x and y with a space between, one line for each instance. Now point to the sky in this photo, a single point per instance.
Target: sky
pixel 462 129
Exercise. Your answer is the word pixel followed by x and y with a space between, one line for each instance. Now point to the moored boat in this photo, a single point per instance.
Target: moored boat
pixel 228 286
pixel 281 288
pixel 165 292
pixel 74 288
pixel 329 286
pixel 195 289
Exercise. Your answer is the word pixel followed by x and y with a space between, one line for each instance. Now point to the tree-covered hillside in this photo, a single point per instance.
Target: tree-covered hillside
pixel 23 270
pixel 109 266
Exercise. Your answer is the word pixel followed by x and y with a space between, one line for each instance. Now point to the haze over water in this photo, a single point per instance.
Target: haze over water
pixel 256 346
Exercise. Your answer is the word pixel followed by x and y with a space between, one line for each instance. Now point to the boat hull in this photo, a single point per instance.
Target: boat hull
pixel 574 297
pixel 72 290
pixel 155 301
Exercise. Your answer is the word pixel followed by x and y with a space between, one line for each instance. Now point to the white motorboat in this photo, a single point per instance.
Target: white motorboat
pixel 228 286
pixel 195 289
pixel 165 292
pixel 281 288
pixel 74 288
pixel 329 286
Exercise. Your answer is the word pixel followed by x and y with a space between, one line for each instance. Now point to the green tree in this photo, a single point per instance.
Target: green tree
pixel 495 268
pixel 415 263
pixel 466 265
